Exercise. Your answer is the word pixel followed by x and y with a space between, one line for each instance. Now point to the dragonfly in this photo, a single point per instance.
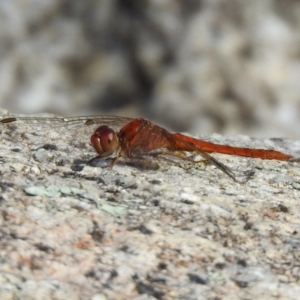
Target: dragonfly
pixel 137 138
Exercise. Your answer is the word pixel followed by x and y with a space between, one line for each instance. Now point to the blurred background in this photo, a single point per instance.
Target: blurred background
pixel 197 66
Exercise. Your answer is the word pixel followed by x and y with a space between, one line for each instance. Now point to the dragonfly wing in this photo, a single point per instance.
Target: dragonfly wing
pixel 65 133
pixel 113 121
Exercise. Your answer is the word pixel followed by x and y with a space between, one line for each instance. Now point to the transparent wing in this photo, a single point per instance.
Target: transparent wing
pixel 28 133
pixel 113 121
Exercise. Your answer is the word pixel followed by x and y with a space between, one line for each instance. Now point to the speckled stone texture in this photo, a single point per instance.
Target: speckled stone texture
pixel 71 231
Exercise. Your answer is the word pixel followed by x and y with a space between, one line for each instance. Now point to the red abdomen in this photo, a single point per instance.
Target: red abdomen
pixel 184 142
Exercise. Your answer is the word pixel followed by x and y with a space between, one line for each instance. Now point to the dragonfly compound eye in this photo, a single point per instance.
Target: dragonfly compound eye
pixel 104 141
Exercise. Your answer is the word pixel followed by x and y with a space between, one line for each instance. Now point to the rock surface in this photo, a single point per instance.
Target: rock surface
pixel 71 231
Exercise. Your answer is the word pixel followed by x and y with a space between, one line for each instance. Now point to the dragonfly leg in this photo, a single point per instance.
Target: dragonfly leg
pixel 114 161
pixel 143 163
pixel 239 177
pixel 111 164
pixel 173 157
pixel 183 156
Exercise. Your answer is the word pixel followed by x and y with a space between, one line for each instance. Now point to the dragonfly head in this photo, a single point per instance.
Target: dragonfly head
pixel 105 141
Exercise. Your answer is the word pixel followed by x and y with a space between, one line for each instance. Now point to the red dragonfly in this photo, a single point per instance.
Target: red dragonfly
pixel 142 139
